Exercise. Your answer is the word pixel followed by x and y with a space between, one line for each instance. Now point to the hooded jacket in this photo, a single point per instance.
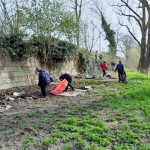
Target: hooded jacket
pixel 44 78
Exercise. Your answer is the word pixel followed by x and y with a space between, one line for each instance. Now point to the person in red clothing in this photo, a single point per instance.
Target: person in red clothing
pixel 104 68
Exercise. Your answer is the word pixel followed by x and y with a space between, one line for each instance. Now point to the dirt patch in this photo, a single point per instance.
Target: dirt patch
pixel 34 120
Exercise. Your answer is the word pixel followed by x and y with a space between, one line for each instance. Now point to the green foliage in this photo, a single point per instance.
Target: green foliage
pixel 54 21
pixel 44 120
pixel 47 142
pixel 110 35
pixel 58 134
pixel 52 50
pixel 111 119
pixel 83 60
pixel 18 47
pixel 74 136
pixel 49 49
pixel 67 147
pixel 2 129
pixel 83 125
pixel 81 143
pixel 125 127
pixel 27 143
pixel 72 121
pixel 31 113
pixel 63 50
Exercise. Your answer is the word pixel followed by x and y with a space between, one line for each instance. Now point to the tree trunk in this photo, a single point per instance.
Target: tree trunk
pixel 77 32
pixel 142 60
pixel 147 62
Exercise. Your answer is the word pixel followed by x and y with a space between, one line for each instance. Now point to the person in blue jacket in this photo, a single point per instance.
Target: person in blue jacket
pixel 68 77
pixel 44 80
pixel 120 69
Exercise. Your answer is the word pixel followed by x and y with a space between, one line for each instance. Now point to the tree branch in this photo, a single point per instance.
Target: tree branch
pixel 126 4
pixel 136 19
pixel 130 33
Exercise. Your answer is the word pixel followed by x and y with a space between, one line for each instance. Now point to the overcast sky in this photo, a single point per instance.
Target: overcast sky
pixel 112 18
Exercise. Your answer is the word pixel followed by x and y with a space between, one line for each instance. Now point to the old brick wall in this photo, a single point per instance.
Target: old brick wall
pixel 14 74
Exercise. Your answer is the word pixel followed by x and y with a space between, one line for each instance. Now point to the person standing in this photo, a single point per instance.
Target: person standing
pixel 113 66
pixel 44 80
pixel 120 69
pixel 104 68
pixel 68 77
pixel 96 54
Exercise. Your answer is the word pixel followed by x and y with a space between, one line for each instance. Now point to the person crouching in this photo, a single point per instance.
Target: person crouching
pixel 44 80
pixel 68 77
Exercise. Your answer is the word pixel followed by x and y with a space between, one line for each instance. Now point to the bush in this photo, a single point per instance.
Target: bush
pixel 17 47
pixel 83 60
pixel 50 49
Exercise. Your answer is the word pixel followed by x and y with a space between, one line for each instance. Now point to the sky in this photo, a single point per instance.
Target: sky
pixel 112 18
pixel 89 14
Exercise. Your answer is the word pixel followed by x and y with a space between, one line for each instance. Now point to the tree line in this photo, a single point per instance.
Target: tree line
pixel 48 21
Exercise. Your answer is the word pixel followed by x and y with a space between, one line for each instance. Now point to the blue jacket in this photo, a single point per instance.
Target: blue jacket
pixel 44 78
pixel 120 68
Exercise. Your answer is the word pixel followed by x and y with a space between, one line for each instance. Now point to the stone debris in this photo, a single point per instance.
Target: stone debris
pixel 4 108
pixel 79 76
pixel 16 94
pixel 87 87
pixel 8 98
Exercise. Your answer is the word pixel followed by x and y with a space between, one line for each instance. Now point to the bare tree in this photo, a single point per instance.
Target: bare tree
pixel 90 37
pixel 137 11
pixel 125 44
pixel 109 32
pixel 11 16
pixel 77 6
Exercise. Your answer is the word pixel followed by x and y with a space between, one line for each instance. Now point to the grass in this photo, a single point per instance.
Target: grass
pixel 27 143
pixel 100 119
pixel 67 147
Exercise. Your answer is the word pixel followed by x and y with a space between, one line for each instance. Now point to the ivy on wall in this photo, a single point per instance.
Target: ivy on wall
pixel 18 48
pixel 83 60
pixel 50 50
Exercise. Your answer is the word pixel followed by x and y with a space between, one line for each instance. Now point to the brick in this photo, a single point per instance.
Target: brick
pixel 3 81
pixel 22 84
pixel 19 69
pixel 14 80
pixel 21 79
pixel 5 86
pixel 14 84
pixel 12 69
pixel 8 80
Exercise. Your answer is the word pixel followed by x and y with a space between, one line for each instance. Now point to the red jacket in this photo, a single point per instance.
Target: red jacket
pixel 104 66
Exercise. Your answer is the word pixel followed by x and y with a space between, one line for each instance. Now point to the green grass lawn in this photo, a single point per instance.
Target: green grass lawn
pixel 102 120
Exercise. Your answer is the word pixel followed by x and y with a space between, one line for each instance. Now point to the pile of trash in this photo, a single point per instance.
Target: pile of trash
pixel 90 76
pixel 10 95
pixel 19 96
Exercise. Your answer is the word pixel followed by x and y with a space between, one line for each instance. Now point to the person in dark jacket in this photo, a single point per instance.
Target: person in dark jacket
pixel 113 66
pixel 120 69
pixel 44 80
pixel 68 77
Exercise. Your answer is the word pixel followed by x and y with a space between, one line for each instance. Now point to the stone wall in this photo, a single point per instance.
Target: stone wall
pixel 14 74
